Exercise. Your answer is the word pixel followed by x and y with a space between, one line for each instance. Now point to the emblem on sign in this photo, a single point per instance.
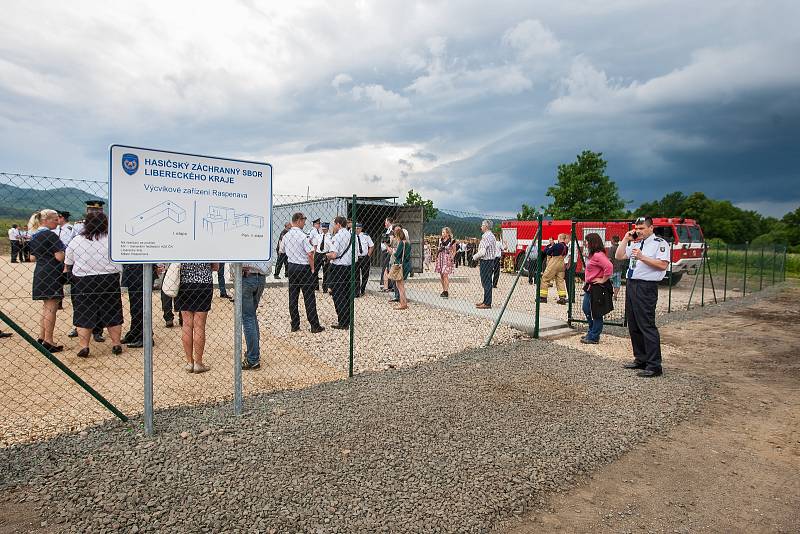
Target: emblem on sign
pixel 130 163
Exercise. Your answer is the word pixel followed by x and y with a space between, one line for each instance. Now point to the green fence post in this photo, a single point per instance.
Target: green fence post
pixel 353 245
pixel 540 220
pixel 744 283
pixel 725 288
pixel 761 270
pixel 774 254
pixel 785 249
pixel 703 279
pixel 669 289
pixel 571 274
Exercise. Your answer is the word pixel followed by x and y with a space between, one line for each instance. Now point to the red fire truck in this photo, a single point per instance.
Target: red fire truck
pixel 684 234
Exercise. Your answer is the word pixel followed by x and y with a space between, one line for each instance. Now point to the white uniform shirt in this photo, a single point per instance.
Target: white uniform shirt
pixel 297 246
pixel 13 234
pixel 340 244
pixel 90 256
pixel 65 233
pixel 314 236
pixel 652 247
pixel 364 242
pixel 324 242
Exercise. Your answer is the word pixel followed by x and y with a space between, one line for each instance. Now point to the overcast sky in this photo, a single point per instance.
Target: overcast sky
pixel 474 104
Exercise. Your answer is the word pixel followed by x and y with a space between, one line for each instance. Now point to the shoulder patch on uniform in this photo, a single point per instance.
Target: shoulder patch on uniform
pixel 657 239
pixel 663 249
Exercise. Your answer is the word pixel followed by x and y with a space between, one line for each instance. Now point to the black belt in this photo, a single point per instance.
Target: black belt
pixel 643 281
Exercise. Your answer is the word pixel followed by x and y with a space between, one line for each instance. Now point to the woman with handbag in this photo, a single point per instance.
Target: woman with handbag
pixel 401 266
pixel 598 272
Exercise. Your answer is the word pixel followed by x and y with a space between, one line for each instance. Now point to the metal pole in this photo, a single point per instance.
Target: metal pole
pixel 571 273
pixel 785 249
pixel 711 276
pixel 725 288
pixel 540 218
pixel 761 270
pixel 147 340
pixel 508 296
pixel 703 279
pixel 237 339
pixel 774 254
pixel 744 284
pixel 353 245
pixel 669 289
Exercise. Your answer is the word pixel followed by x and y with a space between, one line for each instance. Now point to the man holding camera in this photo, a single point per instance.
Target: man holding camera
pixel 649 259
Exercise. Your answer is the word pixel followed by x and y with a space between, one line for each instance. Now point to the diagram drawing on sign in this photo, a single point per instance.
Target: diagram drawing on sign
pixel 222 219
pixel 166 210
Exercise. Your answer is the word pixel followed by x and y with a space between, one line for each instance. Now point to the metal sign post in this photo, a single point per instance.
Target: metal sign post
pixel 147 339
pixel 237 339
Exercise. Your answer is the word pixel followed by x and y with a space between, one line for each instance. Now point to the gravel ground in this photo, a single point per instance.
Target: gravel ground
pixel 456 445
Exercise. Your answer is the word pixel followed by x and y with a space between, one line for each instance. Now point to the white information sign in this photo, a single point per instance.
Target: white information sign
pixel 174 207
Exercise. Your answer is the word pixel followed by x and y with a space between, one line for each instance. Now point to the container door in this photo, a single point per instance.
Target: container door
pixel 411 218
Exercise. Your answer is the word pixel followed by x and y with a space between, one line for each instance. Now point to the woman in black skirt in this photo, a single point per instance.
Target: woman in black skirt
pixel 48 252
pixel 96 296
pixel 193 301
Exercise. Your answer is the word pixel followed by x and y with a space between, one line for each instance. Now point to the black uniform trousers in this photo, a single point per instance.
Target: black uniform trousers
pixel 496 272
pixel 282 262
pixel 340 288
pixel 16 251
pixel 223 292
pixel 362 274
pixel 132 279
pixel 640 311
pixel 167 307
pixel 321 264
pixel 301 278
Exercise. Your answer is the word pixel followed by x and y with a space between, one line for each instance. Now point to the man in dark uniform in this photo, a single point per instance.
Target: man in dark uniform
pixel 648 261
pixel 321 261
pixel 282 261
pixel 364 251
pixel 132 279
pixel 301 256
pixel 340 259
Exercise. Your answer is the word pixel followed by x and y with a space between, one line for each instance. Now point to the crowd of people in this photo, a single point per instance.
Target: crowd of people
pixel 77 256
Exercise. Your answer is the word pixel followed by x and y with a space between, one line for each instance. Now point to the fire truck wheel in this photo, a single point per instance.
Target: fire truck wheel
pixel 676 277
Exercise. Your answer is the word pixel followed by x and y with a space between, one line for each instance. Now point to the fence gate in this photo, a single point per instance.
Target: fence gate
pixel 578 256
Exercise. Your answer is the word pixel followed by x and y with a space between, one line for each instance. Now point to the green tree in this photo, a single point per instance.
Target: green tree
pixel 429 211
pixel 528 213
pixel 584 191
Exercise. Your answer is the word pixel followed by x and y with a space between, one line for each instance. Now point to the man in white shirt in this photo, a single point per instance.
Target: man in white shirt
pixel 13 237
pixel 364 251
pixel 300 268
pixel 648 261
pixel 340 257
pixel 254 279
pixel 321 262
pixel 64 230
pixel 487 252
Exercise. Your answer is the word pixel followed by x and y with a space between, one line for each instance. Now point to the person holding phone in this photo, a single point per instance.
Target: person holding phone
pixel 648 257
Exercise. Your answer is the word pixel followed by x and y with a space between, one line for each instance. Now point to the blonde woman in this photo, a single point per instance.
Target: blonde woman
pixel 444 259
pixel 48 252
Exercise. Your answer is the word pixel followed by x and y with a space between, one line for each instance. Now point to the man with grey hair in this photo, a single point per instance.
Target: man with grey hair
pixel 487 251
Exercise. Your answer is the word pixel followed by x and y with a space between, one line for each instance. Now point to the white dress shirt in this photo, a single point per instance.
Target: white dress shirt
pixel 324 242
pixel 487 249
pixel 364 243
pixel 340 244
pixel 90 257
pixel 297 246
pixel 652 247
pixel 13 234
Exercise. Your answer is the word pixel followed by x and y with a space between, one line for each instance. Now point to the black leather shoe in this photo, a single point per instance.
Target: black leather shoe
pixel 317 329
pixel 83 353
pixel 295 329
pixel 633 365
pixel 126 339
pixel 648 373
pixel 5 334
pixel 99 338
pixel 340 326
pixel 138 344
pixel 169 324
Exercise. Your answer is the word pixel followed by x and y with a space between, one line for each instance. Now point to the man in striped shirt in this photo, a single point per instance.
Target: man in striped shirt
pixel 487 252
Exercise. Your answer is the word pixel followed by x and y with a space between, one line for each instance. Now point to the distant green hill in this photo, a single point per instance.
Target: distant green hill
pixel 461 226
pixel 19 203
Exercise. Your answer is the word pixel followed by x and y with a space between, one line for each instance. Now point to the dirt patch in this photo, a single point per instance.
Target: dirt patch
pixel 734 469
pixel 17 514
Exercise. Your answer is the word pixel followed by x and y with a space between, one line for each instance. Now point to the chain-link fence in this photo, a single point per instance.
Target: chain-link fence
pixel 355 284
